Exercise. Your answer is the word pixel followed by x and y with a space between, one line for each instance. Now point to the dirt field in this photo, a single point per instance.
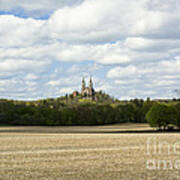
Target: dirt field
pixel 71 153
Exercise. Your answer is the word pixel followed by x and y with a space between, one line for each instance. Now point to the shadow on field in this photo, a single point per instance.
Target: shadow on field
pixel 79 130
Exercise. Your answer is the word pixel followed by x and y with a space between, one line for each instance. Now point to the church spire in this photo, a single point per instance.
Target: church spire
pixel 90 83
pixel 83 86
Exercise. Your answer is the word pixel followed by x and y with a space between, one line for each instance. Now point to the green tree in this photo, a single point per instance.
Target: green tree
pixel 161 115
pixel 177 106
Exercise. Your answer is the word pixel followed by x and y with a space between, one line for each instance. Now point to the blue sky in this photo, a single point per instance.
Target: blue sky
pixel 131 48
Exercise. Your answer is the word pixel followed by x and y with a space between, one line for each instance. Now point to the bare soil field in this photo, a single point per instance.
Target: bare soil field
pixel 84 153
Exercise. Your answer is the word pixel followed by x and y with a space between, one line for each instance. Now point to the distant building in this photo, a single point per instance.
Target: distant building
pixel 87 91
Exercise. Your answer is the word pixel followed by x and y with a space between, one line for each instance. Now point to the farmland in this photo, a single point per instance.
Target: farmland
pixel 88 152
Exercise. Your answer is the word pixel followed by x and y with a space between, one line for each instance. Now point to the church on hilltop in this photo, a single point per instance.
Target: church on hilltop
pixel 87 91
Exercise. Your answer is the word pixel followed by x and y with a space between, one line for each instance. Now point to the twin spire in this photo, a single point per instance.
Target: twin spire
pixel 90 82
pixel 87 91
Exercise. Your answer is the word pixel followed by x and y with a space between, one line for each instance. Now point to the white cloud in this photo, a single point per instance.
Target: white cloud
pixel 127 81
pixel 72 33
pixel 19 32
pixel 74 69
pixel 65 81
pixel 161 82
pixel 35 8
pixel 137 40
pixel 160 5
pixel 153 69
pixel 30 77
pixel 152 45
pixel 22 65
pixel 122 71
pixel 66 90
pixel 150 79
pixel 89 22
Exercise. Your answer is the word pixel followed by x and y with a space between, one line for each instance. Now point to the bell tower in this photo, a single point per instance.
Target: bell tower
pixel 90 83
pixel 91 90
pixel 83 85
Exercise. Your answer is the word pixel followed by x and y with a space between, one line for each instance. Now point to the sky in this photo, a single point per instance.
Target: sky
pixel 130 48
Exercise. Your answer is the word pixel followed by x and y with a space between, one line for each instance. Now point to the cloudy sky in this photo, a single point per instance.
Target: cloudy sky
pixel 131 48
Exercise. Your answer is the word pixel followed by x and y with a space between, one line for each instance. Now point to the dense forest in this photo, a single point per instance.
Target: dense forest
pixel 69 110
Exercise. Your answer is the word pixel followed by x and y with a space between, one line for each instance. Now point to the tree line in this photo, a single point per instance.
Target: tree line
pixel 55 112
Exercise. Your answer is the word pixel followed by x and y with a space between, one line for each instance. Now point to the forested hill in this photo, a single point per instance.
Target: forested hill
pixel 52 111
pixel 70 110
